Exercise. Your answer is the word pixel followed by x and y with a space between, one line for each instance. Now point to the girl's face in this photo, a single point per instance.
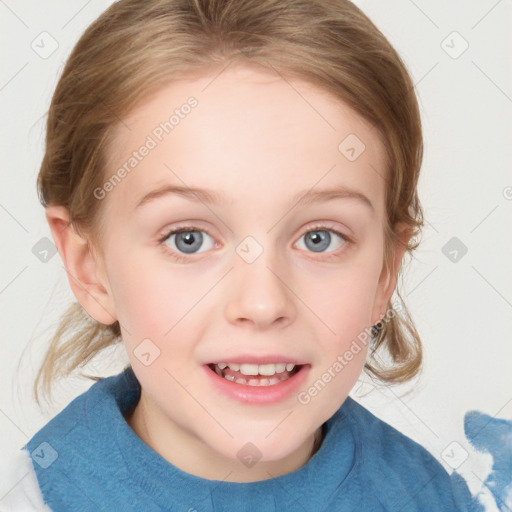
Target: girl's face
pixel 279 262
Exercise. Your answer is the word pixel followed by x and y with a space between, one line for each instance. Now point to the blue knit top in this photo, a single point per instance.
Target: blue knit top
pixel 87 458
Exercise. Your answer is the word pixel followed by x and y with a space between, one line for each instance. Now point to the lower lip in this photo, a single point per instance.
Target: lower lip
pixel 259 394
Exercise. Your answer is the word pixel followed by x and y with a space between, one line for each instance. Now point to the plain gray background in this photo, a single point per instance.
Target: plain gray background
pixel 459 55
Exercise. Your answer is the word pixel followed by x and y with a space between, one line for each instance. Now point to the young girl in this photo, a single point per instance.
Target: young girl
pixel 232 187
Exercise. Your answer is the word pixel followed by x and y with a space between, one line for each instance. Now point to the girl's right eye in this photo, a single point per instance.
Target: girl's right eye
pixel 186 240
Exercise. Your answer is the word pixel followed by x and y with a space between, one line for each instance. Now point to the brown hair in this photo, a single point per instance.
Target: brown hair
pixel 137 46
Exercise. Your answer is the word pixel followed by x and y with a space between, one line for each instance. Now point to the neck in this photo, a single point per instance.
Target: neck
pixel 191 455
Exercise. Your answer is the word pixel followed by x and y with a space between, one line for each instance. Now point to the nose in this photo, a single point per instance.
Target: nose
pixel 260 295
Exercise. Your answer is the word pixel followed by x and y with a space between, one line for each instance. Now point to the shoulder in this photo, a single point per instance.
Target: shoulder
pixel 77 449
pixel 401 473
pixel 19 489
pixel 88 413
pixel 21 486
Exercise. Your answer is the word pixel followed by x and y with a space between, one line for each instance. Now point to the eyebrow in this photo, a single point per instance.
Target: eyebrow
pixel 208 196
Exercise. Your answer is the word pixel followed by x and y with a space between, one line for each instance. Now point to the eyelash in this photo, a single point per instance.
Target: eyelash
pixel 185 259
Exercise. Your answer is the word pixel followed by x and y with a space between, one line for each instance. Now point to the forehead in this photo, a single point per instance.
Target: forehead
pixel 256 137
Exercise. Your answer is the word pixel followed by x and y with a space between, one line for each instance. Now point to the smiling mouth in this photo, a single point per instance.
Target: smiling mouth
pixel 254 374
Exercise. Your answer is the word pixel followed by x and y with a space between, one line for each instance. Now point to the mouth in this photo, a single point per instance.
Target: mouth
pixel 256 375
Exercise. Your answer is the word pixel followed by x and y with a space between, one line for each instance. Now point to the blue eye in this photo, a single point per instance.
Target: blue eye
pixel 318 239
pixel 187 241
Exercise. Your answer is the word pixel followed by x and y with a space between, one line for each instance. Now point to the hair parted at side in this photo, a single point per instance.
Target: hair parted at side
pixel 137 46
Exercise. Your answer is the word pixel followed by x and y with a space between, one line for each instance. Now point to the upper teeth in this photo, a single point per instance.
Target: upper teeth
pixel 258 369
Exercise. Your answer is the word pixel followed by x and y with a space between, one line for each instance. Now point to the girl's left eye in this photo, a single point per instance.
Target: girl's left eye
pixel 319 238
pixel 189 240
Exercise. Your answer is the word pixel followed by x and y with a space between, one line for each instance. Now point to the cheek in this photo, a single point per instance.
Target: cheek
pixel 155 309
pixel 343 306
pixel 150 297
pixel 343 298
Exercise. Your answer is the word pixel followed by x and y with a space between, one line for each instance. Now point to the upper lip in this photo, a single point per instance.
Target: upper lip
pixel 257 359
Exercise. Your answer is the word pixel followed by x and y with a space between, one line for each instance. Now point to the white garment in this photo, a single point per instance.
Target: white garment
pixel 19 490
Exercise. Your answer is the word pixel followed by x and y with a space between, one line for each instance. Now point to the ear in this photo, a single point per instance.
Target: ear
pixel 388 277
pixel 83 266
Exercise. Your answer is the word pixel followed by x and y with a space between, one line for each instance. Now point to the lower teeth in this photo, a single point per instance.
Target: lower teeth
pixel 270 381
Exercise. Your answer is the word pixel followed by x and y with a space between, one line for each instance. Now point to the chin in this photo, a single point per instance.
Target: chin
pixel 265 447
